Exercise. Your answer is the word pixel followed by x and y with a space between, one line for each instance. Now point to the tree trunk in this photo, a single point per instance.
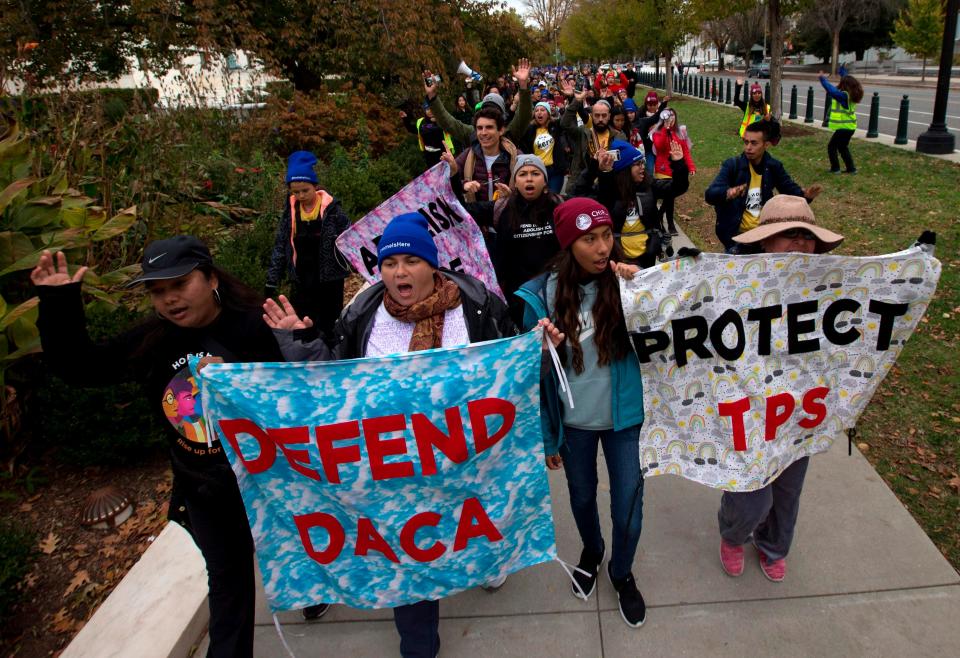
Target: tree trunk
pixel 668 70
pixel 775 23
pixel 835 53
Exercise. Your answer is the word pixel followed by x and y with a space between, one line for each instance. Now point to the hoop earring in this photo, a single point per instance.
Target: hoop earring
pixel 216 296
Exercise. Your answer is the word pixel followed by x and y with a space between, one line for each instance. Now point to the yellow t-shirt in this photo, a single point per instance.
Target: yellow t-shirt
pixel 312 214
pixel 751 214
pixel 633 237
pixel 543 144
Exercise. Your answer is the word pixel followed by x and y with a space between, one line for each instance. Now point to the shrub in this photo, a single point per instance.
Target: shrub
pixel 16 549
pixel 245 252
pixel 105 426
pixel 320 121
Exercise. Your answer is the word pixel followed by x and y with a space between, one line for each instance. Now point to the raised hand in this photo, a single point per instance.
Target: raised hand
pixel 734 192
pixel 568 88
pixel 813 192
pixel 502 190
pixel 48 273
pixel 522 72
pixel 283 315
pixel 676 151
pixel 604 161
pixel 449 159
pixel 429 88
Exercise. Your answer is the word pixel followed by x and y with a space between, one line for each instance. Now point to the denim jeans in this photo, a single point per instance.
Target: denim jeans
pixel 621 449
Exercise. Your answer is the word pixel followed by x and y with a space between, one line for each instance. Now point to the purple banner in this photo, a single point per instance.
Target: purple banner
pixel 458 237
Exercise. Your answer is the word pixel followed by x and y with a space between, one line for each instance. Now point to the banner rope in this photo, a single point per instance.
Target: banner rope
pixel 283 640
pixel 564 383
pixel 569 569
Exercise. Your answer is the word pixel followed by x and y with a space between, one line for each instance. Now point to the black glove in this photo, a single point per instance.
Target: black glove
pixel 692 252
pixel 927 237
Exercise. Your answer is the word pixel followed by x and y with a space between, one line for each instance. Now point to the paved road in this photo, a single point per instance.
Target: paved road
pixel 921 105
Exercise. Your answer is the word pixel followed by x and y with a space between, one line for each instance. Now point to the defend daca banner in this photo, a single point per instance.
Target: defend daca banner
pixel 752 362
pixel 458 238
pixel 383 481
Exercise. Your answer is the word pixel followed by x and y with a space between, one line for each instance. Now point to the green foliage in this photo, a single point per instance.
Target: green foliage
pixel 16 552
pixel 919 28
pixel 100 426
pixel 361 184
pixel 245 251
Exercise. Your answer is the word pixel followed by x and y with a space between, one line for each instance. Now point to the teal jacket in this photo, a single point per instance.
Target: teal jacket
pixel 627 385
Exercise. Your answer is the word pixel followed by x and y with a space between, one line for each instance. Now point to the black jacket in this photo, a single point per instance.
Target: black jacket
pixel 734 172
pixel 484 313
pixel 283 262
pixel 561 147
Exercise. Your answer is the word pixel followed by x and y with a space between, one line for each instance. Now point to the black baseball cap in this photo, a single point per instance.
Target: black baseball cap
pixel 172 258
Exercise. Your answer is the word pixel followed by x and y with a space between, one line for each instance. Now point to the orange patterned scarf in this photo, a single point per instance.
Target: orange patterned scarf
pixel 427 313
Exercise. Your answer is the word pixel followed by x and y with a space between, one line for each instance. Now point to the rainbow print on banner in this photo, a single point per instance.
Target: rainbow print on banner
pixel 752 362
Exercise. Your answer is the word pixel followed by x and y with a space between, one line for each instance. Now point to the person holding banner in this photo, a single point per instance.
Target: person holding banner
pixel 768 515
pixel 305 245
pixel 200 309
pixel 581 296
pixel 416 306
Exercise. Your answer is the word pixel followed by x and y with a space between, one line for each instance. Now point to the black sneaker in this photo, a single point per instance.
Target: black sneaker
pixel 589 562
pixel 632 608
pixel 314 612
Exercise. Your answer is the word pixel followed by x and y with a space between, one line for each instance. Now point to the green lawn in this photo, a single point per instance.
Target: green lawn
pixel 910 429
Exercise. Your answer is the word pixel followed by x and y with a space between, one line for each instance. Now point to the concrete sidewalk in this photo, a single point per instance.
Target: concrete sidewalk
pixel 862 579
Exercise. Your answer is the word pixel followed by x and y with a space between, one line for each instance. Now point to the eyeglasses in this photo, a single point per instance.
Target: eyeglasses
pixel 794 233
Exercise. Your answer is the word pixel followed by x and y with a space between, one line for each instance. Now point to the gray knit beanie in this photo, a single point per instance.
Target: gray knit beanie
pixel 528 160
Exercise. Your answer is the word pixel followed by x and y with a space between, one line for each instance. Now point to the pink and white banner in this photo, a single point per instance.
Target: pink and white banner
pixel 457 236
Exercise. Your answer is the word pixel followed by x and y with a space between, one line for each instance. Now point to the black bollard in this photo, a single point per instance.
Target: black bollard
pixel 873 130
pixel 902 121
pixel 808 116
pixel 793 102
pixel 700 87
pixel 720 92
pixel 729 93
pixel 826 112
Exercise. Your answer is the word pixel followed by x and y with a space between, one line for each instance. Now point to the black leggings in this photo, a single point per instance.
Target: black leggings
pixel 220 528
pixel 840 143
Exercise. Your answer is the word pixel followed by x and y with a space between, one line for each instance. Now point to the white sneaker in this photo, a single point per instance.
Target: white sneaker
pixel 495 584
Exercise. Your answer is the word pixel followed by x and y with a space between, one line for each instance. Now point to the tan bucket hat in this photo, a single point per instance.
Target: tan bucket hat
pixel 784 212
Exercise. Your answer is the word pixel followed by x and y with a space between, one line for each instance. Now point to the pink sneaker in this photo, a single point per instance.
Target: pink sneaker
pixel 731 558
pixel 774 570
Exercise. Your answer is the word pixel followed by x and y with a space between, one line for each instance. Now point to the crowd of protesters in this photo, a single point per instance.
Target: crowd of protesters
pixel 531 155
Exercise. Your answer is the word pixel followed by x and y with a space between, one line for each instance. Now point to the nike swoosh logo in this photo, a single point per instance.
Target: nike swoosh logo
pixel 150 260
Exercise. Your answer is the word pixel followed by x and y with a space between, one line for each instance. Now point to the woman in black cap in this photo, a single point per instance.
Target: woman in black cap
pixel 200 310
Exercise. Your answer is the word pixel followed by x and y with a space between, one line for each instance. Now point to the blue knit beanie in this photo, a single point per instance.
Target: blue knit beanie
pixel 300 167
pixel 630 105
pixel 407 234
pixel 628 154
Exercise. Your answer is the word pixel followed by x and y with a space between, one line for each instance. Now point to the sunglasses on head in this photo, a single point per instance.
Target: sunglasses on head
pixel 794 233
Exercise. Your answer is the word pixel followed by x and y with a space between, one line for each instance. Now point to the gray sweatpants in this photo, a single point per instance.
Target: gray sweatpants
pixel 769 514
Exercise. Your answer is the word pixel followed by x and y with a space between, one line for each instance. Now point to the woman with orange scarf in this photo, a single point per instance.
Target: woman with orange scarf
pixel 416 306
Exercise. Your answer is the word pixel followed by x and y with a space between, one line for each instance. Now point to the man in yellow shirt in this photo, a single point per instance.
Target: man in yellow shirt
pixel 746 182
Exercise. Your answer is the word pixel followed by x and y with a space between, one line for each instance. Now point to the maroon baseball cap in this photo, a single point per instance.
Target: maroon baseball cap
pixel 576 217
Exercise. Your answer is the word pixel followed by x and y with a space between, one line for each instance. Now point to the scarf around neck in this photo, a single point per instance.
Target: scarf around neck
pixel 428 314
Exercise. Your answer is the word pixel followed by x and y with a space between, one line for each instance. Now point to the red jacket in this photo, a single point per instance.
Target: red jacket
pixel 661 145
